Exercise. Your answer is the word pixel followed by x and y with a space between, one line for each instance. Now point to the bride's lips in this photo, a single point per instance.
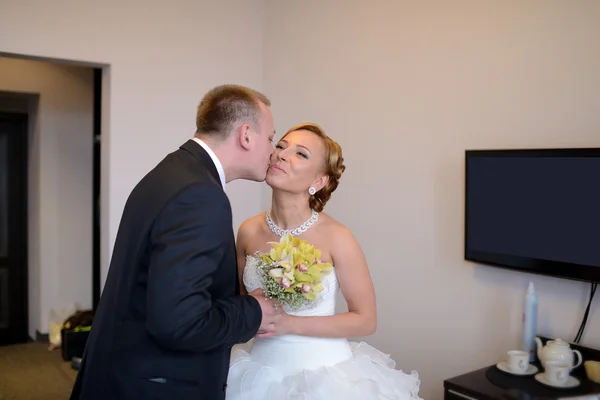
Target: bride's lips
pixel 276 168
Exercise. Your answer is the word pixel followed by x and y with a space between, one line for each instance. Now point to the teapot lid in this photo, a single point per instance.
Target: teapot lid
pixel 557 342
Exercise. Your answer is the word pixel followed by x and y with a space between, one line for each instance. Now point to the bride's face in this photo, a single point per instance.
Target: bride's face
pixel 297 163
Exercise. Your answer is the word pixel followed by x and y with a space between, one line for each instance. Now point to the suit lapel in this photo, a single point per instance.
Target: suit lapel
pixel 204 158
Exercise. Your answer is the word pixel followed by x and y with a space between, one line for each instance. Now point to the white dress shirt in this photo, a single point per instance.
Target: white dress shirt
pixel 215 159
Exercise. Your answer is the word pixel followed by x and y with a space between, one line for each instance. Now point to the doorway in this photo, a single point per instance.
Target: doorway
pixel 64 174
pixel 13 228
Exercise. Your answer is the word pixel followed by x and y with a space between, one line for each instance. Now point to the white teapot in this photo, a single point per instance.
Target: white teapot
pixel 559 351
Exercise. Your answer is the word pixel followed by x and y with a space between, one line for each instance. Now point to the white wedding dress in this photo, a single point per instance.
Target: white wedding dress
pixel 310 368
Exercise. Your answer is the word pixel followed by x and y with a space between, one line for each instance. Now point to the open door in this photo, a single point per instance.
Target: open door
pixel 13 229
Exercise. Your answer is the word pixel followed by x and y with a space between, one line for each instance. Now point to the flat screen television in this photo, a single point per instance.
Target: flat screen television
pixel 534 210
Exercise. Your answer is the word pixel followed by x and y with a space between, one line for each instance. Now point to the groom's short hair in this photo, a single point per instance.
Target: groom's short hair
pixel 226 106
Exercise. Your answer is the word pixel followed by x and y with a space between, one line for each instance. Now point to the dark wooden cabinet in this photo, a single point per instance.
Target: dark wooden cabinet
pixel 490 383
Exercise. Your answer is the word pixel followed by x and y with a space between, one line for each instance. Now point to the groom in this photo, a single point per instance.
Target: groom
pixel 171 310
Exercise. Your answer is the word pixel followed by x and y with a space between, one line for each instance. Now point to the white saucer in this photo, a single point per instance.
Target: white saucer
pixel 570 383
pixel 531 369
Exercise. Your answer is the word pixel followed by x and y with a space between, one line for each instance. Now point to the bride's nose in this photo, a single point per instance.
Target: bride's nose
pixel 281 155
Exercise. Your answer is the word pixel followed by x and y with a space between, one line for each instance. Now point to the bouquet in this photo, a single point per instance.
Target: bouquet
pixel 292 272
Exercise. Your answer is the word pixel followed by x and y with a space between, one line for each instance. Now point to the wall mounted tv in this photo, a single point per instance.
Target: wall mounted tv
pixel 534 210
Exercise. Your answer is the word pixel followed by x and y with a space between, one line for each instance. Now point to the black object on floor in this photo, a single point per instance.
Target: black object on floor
pixel 76 363
pixel 73 342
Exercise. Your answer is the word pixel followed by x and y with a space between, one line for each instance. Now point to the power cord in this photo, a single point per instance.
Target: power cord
pixel 585 315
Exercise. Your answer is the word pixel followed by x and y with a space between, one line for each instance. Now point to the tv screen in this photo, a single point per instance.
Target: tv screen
pixel 536 210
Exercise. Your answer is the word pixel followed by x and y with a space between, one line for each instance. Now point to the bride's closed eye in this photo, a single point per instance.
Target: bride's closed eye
pixel 299 153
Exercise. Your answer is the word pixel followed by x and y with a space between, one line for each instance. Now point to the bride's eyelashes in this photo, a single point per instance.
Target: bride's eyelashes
pixel 300 153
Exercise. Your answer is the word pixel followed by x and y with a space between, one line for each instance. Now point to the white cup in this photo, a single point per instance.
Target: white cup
pixel 518 361
pixel 556 372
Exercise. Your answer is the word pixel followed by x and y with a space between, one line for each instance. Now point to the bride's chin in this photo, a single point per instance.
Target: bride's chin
pixel 278 187
pixel 272 180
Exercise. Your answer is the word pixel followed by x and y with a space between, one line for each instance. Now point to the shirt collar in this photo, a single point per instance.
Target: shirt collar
pixel 214 158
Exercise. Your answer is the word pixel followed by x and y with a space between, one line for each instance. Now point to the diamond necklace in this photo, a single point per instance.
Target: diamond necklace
pixel 294 232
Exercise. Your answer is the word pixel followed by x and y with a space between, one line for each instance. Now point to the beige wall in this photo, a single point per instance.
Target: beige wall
pixel 59 100
pixel 163 56
pixel 406 87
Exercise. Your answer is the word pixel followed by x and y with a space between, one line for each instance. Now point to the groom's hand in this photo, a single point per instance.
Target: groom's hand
pixel 270 311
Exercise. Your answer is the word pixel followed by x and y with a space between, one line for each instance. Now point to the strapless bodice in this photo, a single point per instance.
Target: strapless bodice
pixel 313 368
pixel 289 352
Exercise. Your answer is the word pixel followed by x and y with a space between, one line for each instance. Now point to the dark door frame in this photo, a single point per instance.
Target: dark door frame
pixel 97 118
pixel 100 75
pixel 18 227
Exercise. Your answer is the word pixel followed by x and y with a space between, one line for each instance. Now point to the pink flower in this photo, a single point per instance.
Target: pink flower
pixel 302 267
pixel 285 282
pixel 306 288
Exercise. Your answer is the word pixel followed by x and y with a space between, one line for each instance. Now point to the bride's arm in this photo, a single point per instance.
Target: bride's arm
pixel 357 287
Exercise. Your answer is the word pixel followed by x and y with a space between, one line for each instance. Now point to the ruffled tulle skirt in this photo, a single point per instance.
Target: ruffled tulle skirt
pixel 367 374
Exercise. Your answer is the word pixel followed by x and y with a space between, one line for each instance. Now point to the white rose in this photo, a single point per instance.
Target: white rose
pixel 276 273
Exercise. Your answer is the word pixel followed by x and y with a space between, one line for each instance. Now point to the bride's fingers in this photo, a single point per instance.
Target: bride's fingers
pixel 268 329
pixel 258 292
pixel 265 335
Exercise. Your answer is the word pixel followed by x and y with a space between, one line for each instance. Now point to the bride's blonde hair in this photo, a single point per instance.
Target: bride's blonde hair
pixel 334 164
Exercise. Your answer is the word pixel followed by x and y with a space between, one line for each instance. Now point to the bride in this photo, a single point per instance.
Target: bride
pixel 307 356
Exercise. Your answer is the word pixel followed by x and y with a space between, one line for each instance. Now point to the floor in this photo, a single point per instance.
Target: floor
pixel 31 372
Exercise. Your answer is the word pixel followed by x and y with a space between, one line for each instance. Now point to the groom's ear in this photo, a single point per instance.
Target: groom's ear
pixel 245 137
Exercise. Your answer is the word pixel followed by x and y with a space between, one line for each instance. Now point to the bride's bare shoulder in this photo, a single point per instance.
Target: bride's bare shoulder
pixel 336 234
pixel 252 224
pixel 330 225
pixel 251 228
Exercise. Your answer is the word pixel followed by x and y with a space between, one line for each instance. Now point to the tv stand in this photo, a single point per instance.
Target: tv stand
pixel 489 383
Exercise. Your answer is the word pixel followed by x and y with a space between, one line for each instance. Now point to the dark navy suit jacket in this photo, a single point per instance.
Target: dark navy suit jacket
pixel 170 310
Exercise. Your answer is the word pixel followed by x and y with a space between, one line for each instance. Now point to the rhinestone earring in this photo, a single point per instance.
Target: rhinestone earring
pixel 312 191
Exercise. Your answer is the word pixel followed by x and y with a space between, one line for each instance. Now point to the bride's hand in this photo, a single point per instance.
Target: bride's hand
pixel 283 326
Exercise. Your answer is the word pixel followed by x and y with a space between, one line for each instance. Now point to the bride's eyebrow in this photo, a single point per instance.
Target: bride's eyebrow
pixel 298 145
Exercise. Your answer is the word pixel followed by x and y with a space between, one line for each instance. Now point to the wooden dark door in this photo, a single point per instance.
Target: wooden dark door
pixel 13 228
